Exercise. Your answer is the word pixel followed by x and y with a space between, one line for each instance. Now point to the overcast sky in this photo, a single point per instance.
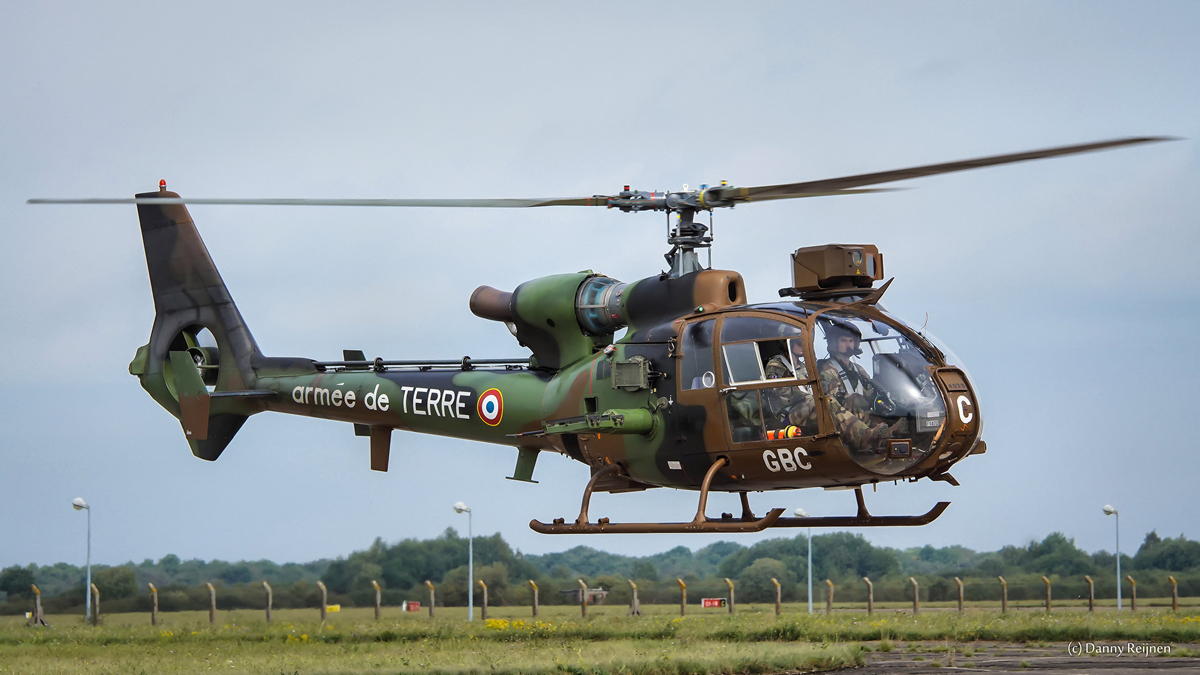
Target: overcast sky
pixel 1067 286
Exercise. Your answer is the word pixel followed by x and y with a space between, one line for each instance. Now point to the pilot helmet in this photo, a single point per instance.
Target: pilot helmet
pixel 835 328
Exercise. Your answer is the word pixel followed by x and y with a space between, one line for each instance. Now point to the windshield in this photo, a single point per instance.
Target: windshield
pixel 885 405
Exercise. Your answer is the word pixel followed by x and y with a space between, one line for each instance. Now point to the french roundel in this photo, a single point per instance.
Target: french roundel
pixel 491 407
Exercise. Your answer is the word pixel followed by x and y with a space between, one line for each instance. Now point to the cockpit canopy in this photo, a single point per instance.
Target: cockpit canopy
pixel 852 371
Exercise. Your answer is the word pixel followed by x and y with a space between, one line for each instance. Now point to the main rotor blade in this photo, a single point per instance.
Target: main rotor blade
pixel 665 201
pixel 817 187
pixel 459 203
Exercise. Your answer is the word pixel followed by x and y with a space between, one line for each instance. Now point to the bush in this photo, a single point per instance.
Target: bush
pixel 16 581
pixel 755 584
pixel 116 583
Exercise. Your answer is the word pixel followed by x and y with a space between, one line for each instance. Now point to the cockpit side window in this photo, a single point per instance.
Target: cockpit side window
pixel 696 368
pixel 755 352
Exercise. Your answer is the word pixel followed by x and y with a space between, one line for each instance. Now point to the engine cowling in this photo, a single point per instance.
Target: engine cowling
pixel 566 317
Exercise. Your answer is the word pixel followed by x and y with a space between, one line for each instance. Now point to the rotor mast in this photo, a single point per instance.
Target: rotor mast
pixel 685 238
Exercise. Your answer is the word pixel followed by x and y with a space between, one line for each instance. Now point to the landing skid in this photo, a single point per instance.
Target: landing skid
pixel 864 517
pixel 702 523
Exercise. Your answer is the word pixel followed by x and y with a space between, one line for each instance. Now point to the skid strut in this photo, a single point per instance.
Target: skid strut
pixel 700 523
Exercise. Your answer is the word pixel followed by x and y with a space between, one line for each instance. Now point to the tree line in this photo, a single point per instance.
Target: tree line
pixel 401 569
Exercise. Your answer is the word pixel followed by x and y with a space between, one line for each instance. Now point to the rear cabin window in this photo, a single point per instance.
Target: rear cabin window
pixel 696 369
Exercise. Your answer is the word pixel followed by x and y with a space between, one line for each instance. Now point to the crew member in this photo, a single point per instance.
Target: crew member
pixel 841 377
pixel 794 404
pixel 849 390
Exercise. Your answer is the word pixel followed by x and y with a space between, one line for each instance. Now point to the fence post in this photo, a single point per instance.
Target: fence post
pixel 212 604
pixel 870 596
pixel 429 585
pixel 37 619
pixel 916 596
pixel 153 605
pixel 324 598
pixel 682 596
pixel 583 598
pixel 1047 582
pixel 1132 594
pixel 270 599
pixel 1174 594
pixel 730 585
pixel 95 605
pixel 960 594
pixel 829 597
pixel 778 596
pixel 483 609
pixel 1091 593
pixel 378 597
pixel 1003 595
pixel 635 605
pixel 535 597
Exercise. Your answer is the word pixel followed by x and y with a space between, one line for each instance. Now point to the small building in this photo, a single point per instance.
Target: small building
pixel 595 596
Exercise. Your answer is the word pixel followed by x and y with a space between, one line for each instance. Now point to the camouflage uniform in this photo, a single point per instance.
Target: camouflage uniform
pixel 789 404
pixel 834 384
pixel 854 432
pixel 745 416
pixel 850 409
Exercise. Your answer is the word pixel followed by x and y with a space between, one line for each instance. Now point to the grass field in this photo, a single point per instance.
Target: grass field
pixel 559 641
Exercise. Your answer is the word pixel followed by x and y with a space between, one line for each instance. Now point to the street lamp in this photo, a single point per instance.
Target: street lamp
pixel 1110 511
pixel 460 507
pixel 801 513
pixel 79 505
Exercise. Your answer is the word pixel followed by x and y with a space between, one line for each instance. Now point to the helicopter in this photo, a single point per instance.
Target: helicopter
pixel 822 388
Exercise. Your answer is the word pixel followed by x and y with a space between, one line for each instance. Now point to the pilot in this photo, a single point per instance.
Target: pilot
pixel 850 390
pixel 841 377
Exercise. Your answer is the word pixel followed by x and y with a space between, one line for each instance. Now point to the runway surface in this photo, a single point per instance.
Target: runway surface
pixel 1066 658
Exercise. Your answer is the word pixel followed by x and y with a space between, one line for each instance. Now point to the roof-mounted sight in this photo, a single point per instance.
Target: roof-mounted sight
pixel 816 269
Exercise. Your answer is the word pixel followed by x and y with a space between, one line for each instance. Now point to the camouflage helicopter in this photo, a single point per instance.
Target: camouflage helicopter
pixel 702 392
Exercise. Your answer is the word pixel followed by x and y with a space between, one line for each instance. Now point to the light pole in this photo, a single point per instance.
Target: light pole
pixel 460 507
pixel 801 513
pixel 79 505
pixel 1110 511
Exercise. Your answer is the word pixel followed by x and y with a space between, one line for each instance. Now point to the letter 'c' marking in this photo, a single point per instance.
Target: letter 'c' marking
pixel 963 415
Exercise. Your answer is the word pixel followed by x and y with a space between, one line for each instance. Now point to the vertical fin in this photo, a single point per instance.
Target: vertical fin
pixel 381 447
